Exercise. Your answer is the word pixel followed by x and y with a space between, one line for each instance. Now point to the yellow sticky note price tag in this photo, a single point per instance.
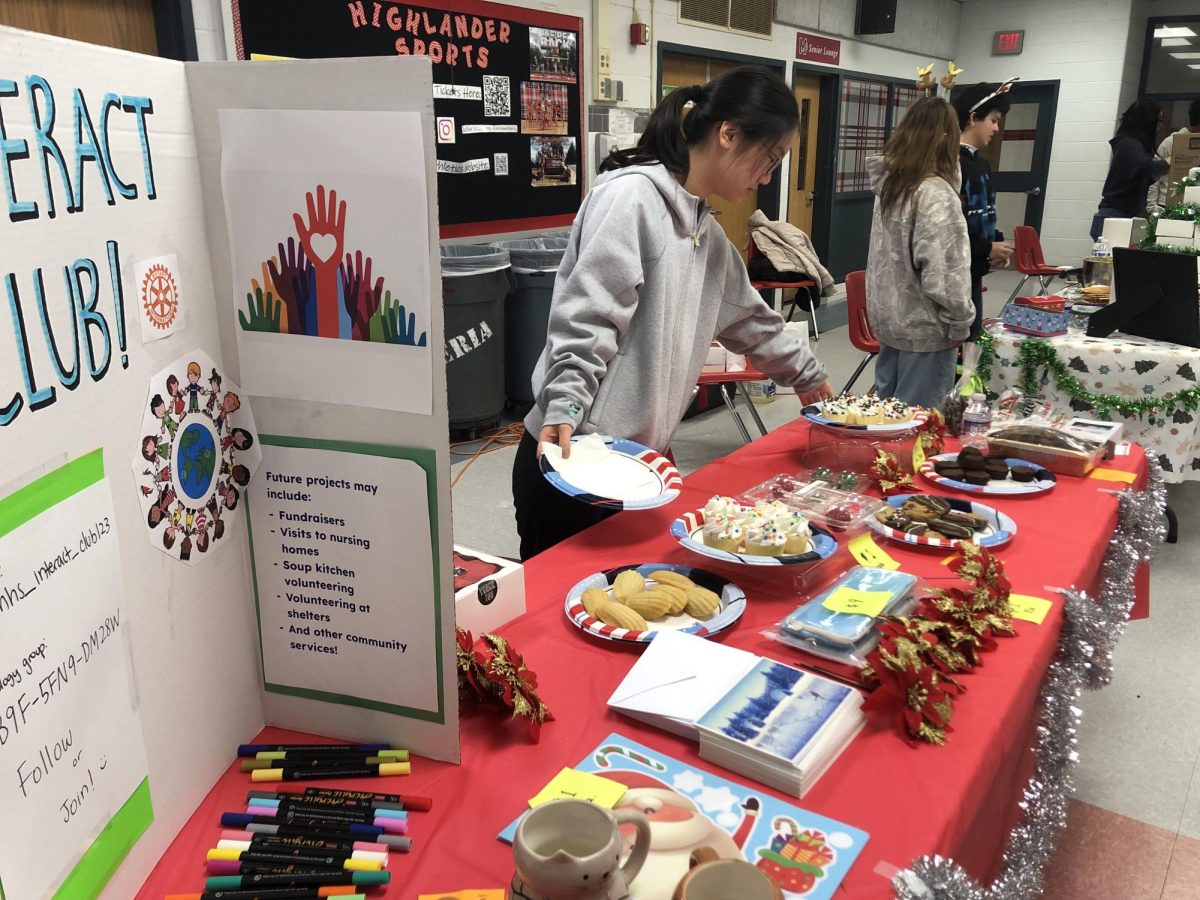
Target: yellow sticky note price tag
pixel 571 784
pixel 1029 609
pixel 860 603
pixel 870 554
pixel 918 454
pixel 1114 475
pixel 485 894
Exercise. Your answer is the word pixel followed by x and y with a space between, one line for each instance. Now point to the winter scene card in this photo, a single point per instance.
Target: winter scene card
pixel 807 855
pixel 777 710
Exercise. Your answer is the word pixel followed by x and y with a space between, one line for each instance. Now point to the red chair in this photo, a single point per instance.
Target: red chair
pixel 1028 260
pixel 738 380
pixel 861 335
pixel 804 284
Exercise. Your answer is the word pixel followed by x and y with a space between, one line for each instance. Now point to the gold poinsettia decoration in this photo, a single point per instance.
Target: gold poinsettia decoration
pixel 497 672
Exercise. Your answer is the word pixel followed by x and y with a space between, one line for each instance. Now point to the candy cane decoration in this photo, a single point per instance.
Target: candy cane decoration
pixel 601 757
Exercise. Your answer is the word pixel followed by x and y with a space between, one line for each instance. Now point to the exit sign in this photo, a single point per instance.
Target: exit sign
pixel 1008 43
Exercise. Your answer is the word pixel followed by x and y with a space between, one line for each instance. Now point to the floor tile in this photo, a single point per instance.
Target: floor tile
pixel 1189 823
pixel 1183 872
pixel 1104 856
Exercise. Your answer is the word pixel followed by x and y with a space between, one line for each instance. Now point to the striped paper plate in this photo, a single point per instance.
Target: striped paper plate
pixel 1007 487
pixel 733 604
pixel 630 477
pixel 688 530
pixel 999 532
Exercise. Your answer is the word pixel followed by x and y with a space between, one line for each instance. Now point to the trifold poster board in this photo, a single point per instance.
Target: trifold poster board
pixel 228 274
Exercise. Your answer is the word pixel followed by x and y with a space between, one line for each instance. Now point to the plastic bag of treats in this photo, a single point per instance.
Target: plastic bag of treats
pixel 954 404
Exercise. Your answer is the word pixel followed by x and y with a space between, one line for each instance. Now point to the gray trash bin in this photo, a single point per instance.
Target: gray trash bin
pixel 534 263
pixel 475 281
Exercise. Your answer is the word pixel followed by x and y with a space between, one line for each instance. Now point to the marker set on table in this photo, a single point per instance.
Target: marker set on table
pixel 324 842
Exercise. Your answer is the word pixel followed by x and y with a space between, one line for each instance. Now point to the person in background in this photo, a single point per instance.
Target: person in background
pixel 919 266
pixel 1156 198
pixel 1133 165
pixel 647 282
pixel 980 107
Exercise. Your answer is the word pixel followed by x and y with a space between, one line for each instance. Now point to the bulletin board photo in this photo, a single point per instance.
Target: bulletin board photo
pixel 507 95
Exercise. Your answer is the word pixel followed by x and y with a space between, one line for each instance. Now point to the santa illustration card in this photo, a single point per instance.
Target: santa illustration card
pixel 807 855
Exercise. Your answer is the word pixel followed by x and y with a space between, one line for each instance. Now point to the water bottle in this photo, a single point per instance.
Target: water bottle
pixel 976 422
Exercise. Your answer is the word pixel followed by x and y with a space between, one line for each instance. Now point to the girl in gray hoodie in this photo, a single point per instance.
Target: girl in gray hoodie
pixel 919 266
pixel 649 280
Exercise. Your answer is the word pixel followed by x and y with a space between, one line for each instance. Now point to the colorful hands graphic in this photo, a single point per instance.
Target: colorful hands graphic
pixel 360 298
pixel 313 287
pixel 397 328
pixel 322 238
pixel 264 311
pixel 291 273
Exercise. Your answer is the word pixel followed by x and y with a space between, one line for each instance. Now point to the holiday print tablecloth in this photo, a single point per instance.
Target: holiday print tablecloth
pixel 1130 368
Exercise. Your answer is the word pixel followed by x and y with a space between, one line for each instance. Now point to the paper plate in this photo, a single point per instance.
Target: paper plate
pixel 999 532
pixel 813 414
pixel 688 527
pixel 1042 482
pixel 630 477
pixel 733 604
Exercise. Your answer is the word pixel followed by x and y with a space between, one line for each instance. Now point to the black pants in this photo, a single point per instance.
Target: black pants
pixel 545 515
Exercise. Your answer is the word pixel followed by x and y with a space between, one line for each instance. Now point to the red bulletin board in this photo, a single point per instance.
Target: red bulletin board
pixel 508 95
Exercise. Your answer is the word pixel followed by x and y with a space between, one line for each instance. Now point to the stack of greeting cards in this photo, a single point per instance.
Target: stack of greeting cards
pixel 781 726
pixel 771 722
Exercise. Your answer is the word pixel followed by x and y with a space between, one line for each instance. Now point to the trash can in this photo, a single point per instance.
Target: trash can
pixel 475 281
pixel 534 263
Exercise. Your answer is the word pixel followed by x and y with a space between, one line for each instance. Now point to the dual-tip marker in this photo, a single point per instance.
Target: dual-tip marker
pixel 334 831
pixel 245 841
pixel 415 802
pixel 341 891
pixel 305 773
pixel 255 749
pixel 309 860
pixel 392 824
pixel 269 807
pixel 308 879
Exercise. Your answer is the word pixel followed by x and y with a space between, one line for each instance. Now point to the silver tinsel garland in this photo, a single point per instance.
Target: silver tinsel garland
pixel 1084 660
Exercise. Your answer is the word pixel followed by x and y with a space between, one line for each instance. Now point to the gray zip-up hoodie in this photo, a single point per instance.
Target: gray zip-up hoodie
pixel 919 268
pixel 647 282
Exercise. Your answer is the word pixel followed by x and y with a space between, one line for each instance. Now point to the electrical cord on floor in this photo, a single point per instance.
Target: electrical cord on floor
pixel 496 439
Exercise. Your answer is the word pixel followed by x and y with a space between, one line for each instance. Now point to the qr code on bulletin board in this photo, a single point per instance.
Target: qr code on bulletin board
pixel 497 100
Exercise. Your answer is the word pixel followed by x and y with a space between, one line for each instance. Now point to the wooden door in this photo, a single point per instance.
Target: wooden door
pixel 681 71
pixel 125 24
pixel 802 174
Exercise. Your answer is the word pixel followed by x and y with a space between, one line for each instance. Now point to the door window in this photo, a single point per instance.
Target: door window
pixel 862 130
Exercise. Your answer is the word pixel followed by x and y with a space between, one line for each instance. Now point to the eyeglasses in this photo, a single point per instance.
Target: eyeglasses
pixel 1003 89
pixel 773 162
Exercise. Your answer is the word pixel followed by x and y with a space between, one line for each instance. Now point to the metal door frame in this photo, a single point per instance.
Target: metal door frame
pixel 1035 206
pixel 768 194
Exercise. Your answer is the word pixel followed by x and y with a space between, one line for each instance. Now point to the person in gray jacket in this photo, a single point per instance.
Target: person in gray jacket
pixel 919 267
pixel 648 281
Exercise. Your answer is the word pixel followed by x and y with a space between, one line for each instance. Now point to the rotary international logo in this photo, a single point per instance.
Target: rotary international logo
pixel 160 296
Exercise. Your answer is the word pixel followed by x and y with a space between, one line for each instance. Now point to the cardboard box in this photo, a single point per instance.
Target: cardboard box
pixel 1176 233
pixel 721 360
pixel 1185 155
pixel 489 591
pixel 1107 433
pixel 1028 320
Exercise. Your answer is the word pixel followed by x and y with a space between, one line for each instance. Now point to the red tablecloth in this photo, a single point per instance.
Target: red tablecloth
pixel 959 800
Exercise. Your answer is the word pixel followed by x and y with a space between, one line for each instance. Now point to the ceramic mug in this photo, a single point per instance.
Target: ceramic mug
pixel 713 878
pixel 572 849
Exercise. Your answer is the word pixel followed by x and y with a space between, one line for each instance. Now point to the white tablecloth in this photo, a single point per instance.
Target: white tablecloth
pixel 1125 367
